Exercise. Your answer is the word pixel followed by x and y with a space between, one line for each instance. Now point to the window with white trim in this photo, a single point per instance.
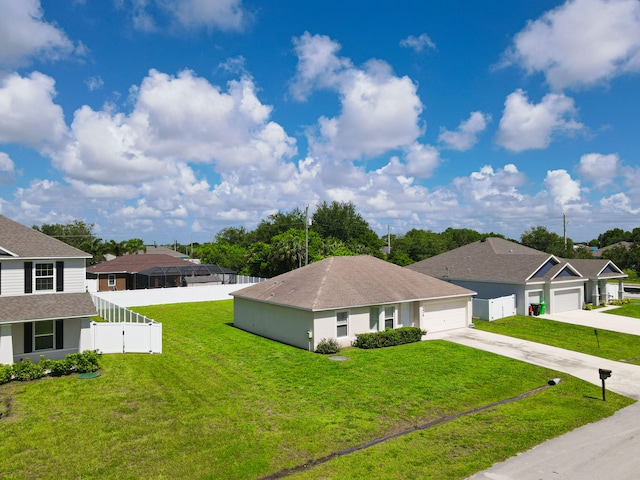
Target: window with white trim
pixel 374 318
pixel 389 314
pixel 111 280
pixel 44 273
pixel 43 335
pixel 342 324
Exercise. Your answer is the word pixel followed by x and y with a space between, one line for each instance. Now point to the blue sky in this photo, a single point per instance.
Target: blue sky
pixel 172 119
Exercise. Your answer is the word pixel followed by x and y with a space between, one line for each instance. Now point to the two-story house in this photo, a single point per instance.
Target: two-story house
pixel 44 309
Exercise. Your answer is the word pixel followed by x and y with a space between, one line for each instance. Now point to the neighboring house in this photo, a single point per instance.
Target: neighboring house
pixel 339 297
pixel 597 252
pixel 139 271
pixel 44 309
pixel 495 267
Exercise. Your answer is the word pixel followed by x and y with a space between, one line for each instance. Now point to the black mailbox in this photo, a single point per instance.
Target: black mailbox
pixel 604 374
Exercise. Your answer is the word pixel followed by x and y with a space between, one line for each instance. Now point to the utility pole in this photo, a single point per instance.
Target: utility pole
pixel 306 236
pixel 388 239
pixel 564 227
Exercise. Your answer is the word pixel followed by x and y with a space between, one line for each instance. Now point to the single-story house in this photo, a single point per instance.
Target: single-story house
pixel 44 309
pixel 495 267
pixel 339 297
pixel 140 271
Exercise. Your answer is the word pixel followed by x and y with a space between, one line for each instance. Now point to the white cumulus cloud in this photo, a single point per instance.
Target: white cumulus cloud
pixel 25 35
pixel 599 169
pixel 620 202
pixel 466 135
pixel 563 189
pixel 526 125
pixel 379 110
pixel 581 43
pixel 28 114
pixel 7 169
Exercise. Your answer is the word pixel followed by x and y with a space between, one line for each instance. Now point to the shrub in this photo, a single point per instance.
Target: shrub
pixel 84 362
pixel 27 370
pixel 6 371
pixel 389 338
pixel 328 345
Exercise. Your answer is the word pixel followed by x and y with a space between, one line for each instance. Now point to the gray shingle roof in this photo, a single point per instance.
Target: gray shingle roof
pixel 498 260
pixel 17 239
pixel 46 306
pixel 592 268
pixel 340 282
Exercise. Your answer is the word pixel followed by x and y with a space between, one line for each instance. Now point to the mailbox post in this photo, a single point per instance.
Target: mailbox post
pixel 604 374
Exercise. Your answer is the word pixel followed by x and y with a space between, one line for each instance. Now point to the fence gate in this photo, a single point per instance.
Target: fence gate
pixel 494 308
pixel 125 337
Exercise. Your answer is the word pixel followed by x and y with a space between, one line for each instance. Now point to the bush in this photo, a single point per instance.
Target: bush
pixel 6 371
pixel 389 338
pixel 328 345
pixel 27 370
pixel 84 362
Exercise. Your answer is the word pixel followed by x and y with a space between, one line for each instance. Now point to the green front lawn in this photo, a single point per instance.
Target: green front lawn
pixel 607 344
pixel 628 310
pixel 223 403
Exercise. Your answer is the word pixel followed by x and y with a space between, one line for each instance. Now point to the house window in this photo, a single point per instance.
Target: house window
pixel 111 280
pixel 43 335
pixel 44 276
pixel 342 323
pixel 374 318
pixel 389 313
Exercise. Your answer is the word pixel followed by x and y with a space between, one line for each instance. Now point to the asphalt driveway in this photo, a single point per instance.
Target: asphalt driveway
pixel 602 450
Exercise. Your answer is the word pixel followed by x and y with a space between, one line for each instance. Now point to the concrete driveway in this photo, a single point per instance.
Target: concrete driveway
pixel 602 450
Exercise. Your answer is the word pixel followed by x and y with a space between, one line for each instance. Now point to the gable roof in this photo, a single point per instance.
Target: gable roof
pixel 342 282
pixel 498 260
pixel 596 267
pixel 134 263
pixel 25 308
pixel 17 240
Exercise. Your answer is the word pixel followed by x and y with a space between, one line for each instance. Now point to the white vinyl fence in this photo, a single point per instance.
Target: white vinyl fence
pixel 494 308
pixel 124 331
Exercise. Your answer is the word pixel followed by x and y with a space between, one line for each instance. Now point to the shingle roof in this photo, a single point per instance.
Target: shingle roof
pixel 17 239
pixel 490 259
pixel 47 306
pixel 499 260
pixel 340 282
pixel 593 268
pixel 136 263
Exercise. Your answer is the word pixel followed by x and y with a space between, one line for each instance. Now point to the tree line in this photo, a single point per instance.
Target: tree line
pixel 287 240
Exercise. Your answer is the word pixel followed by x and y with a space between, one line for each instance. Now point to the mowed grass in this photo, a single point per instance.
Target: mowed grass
pixel 628 310
pixel 221 403
pixel 607 344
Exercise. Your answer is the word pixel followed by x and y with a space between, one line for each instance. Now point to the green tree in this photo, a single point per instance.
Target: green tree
pixel 276 224
pixel 545 241
pixel 96 248
pixel 224 255
pixel 417 244
pixel 340 220
pixel 620 256
pixel 613 236
pixel 134 245
pixel 259 262
pixel 234 236
pixel 459 237
pixel 75 233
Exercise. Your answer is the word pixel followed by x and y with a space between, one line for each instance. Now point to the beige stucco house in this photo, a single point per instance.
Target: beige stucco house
pixel 340 297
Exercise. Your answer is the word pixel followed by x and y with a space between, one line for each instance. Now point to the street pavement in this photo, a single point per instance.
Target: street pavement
pixel 605 450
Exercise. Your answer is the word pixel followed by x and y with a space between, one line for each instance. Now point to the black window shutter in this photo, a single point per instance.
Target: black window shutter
pixel 28 337
pixel 0 279
pixel 59 334
pixel 59 276
pixel 28 277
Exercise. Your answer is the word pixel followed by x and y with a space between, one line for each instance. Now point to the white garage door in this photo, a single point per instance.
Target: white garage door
pixel 566 300
pixel 444 315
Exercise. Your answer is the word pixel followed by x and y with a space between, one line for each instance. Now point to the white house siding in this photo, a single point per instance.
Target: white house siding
pixel 71 331
pixel 325 325
pixel 446 314
pixel 6 345
pixel 13 275
pixel 284 324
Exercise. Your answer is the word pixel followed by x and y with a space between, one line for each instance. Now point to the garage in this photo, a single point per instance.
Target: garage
pixel 444 315
pixel 566 300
